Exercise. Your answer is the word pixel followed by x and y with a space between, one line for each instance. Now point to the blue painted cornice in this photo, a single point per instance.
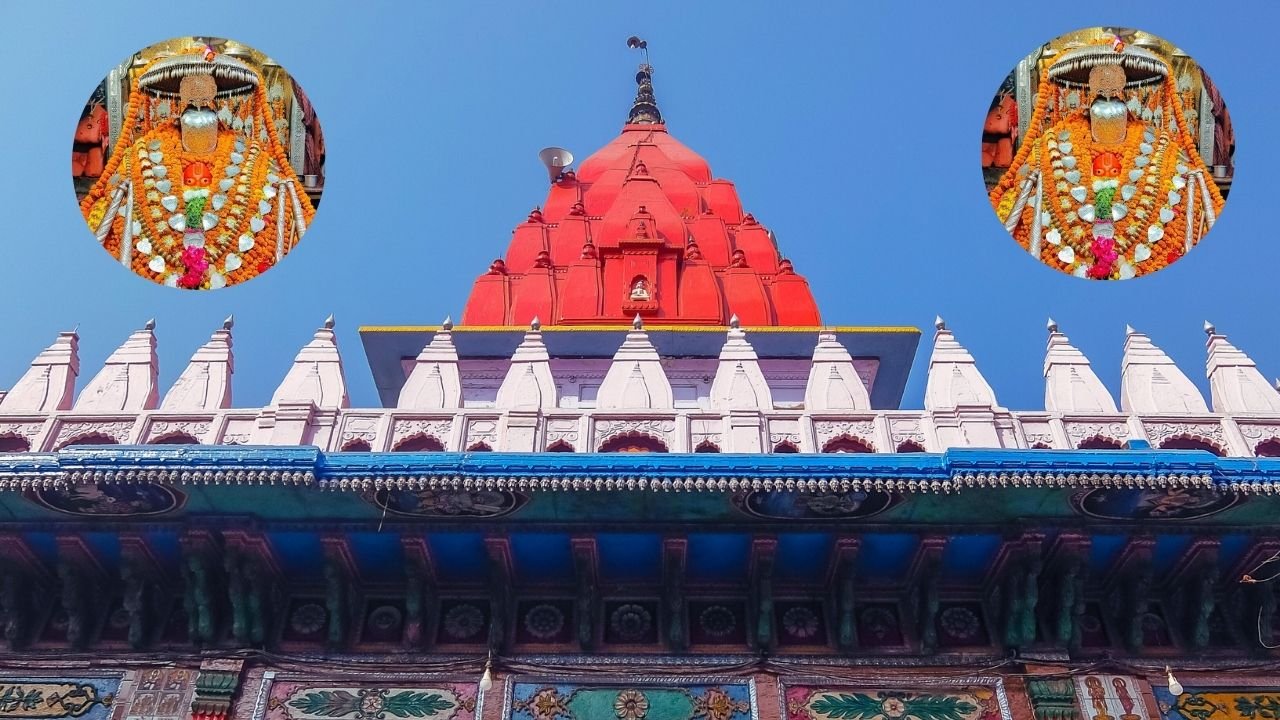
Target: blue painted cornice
pixel 951 471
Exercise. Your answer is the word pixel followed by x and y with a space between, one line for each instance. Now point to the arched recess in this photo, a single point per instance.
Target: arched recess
pixel 633 442
pixel 14 444
pixel 419 443
pixel 706 446
pixel 910 446
pixel 480 447
pixel 560 446
pixel 1100 442
pixel 1041 446
pixel 177 438
pixel 90 439
pixel 357 446
pixel 1268 448
pixel 846 444
pixel 786 446
pixel 1188 442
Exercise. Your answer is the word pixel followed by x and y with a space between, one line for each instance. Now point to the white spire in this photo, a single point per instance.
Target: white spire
pixel 205 384
pixel 954 380
pixel 127 382
pixel 50 383
pixel 1235 385
pixel 1151 383
pixel 635 379
pixel 434 383
pixel 1070 385
pixel 316 374
pixel 739 384
pixel 529 384
pixel 833 382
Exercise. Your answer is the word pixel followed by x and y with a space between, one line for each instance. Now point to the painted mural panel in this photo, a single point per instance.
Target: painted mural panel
pixel 1109 697
pixel 161 694
pixel 339 700
pixel 958 702
pixel 1219 703
pixel 56 698
pixel 634 701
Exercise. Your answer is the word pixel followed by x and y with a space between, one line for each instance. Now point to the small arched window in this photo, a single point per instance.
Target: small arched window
pixel 419 443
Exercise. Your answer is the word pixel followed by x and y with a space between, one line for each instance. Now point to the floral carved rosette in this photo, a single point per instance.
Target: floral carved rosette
pixel 1107 165
pixel 212 169
pixel 347 701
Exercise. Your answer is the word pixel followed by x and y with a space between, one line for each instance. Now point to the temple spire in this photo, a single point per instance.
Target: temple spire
pixel 644 110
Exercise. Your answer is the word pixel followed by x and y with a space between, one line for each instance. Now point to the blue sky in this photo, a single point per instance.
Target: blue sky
pixel 851 129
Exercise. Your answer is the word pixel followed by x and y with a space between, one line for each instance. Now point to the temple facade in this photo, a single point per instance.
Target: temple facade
pixel 641 479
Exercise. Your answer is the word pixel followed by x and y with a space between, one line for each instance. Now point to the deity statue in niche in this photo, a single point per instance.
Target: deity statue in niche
pixel 1000 131
pixel 199 193
pixel 1114 187
pixel 640 290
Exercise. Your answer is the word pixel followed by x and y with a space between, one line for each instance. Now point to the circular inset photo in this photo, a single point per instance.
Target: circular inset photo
pixel 1107 153
pixel 198 163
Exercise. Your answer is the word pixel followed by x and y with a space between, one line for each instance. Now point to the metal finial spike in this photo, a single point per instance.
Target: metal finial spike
pixel 447 324
pixel 76 330
pixel 1053 325
pixel 229 322
pixel 939 323
pixel 150 325
pixel 536 324
pixel 1128 330
pixel 637 323
pixel 1209 329
pixel 734 322
pixel 329 322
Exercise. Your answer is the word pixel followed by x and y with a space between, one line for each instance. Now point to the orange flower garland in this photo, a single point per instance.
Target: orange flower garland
pixel 243 208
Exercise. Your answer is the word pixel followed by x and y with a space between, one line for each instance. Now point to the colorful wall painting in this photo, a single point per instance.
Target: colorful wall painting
pixel 1109 697
pixel 1152 503
pixel 393 700
pixel 1225 703
pixel 55 698
pixel 110 499
pixel 917 701
pixel 631 701
pixel 447 503
pixel 782 505
pixel 161 694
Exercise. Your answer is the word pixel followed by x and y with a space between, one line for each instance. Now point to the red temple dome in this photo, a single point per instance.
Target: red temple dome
pixel 642 228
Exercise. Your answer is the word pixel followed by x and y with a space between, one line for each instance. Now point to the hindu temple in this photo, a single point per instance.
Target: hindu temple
pixel 641 478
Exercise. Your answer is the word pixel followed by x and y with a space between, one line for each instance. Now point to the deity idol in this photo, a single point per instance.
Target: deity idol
pixel 199 193
pixel 1113 187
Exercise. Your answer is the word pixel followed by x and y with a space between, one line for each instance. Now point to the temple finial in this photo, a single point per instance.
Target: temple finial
pixel 229 322
pixel 150 325
pixel 734 322
pixel 535 325
pixel 637 323
pixel 939 323
pixel 1209 329
pixel 329 322
pixel 644 110
pixel 1128 330
pixel 447 324
pixel 1053 325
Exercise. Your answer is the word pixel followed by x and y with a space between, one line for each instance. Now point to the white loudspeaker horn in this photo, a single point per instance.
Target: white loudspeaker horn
pixel 556 159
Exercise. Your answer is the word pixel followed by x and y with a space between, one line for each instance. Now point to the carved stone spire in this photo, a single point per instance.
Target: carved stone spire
pixel 1151 383
pixel 50 383
pixel 954 380
pixel 636 379
pixel 127 382
pixel 644 110
pixel 833 382
pixel 206 382
pixel 434 383
pixel 739 384
pixel 1070 384
pixel 1235 385
pixel 316 375
pixel 529 384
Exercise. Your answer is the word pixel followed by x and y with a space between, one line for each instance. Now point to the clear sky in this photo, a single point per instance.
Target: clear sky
pixel 850 128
